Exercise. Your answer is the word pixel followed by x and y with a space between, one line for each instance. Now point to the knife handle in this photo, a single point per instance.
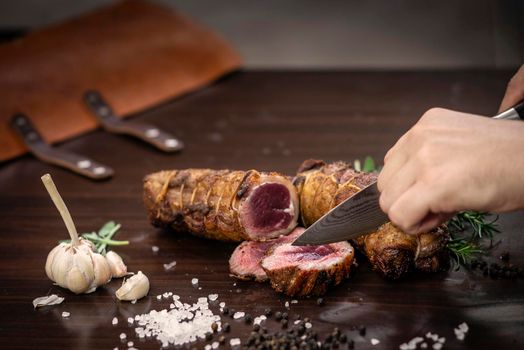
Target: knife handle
pixel 513 113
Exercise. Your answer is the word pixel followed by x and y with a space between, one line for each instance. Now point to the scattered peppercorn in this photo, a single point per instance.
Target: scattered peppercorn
pixel 248 319
pixel 226 327
pixel 278 315
pixel 320 301
pixel 351 344
pixel 284 323
pixel 222 340
pixel 225 310
pixel 362 330
pixel 209 336
pixel 285 315
pixel 214 327
pixel 268 312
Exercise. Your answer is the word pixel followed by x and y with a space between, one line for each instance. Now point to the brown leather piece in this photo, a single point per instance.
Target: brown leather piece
pixel 136 53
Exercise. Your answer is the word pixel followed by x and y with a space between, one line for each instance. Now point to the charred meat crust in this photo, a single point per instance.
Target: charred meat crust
pixel 204 202
pixel 297 282
pixel 390 251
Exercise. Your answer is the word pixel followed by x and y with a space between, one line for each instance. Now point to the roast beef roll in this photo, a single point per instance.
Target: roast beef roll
pixel 222 204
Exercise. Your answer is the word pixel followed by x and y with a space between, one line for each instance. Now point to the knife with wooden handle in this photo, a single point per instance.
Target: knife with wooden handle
pixel 360 214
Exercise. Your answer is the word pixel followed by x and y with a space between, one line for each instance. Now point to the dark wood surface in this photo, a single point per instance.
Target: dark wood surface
pixel 267 121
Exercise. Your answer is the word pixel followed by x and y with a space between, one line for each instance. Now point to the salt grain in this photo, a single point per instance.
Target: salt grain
pixel 155 249
pixel 234 342
pixel 423 345
pixel 308 325
pixel 213 297
pixel 170 265
pixel 437 346
pixel 259 319
pixel 286 304
pixel 238 314
pixel 207 347
pixel 374 341
pixel 294 301
pixel 159 297
pixel 185 323
pixel 66 314
pixel 130 343
pixel 222 304
pixel 194 281
pixel 215 345
pixel 123 336
pixel 133 301
pixel 130 320
pixel 115 321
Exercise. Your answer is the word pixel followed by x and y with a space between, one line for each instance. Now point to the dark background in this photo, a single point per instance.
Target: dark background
pixel 397 34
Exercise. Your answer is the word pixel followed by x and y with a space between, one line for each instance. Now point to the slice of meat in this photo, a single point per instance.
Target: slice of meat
pixel 308 270
pixel 390 251
pixel 245 262
pixel 222 204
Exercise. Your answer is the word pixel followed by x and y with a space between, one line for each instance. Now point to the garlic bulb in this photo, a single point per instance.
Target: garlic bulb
pixel 118 268
pixel 134 288
pixel 75 266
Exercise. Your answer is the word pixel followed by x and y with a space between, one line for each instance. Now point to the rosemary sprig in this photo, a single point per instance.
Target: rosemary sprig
pixel 104 237
pixel 462 251
pixel 467 230
pixel 479 223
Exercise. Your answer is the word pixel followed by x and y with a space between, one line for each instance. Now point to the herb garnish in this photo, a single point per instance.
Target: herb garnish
pixel 104 237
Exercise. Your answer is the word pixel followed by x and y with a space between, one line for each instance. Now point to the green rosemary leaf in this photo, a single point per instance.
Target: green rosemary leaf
pixel 103 238
pixel 462 251
pixel 369 165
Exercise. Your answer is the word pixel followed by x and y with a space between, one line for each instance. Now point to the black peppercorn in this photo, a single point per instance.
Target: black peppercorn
pixel 285 315
pixel 268 312
pixel 214 327
pixel 278 315
pixel 283 322
pixel 362 330
pixel 209 336
pixel 225 310
pixel 351 344
pixel 226 327
pixel 320 301
pixel 222 339
pixel 248 319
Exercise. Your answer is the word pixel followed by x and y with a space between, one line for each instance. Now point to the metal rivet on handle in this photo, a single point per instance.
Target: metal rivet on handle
pixel 172 143
pixel 103 111
pixel 83 164
pixel 32 136
pixel 99 170
pixel 152 133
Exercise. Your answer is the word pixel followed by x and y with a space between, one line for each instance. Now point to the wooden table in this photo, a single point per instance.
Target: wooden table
pixel 267 121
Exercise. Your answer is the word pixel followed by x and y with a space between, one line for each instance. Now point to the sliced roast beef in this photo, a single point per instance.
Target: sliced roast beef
pixel 307 270
pixel 245 262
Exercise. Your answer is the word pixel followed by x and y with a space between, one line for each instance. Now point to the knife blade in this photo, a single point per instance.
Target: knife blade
pixel 356 216
pixel 361 213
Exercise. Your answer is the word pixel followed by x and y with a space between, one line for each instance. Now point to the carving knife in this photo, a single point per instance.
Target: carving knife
pixel 361 214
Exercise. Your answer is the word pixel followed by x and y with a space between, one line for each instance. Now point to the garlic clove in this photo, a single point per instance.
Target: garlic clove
pixel 101 269
pixel 77 281
pixel 49 262
pixel 134 288
pixel 118 268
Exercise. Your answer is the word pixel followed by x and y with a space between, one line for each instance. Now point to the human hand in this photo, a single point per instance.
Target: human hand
pixel 449 162
pixel 514 91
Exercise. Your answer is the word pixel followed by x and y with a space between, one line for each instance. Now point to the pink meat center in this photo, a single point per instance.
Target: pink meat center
pixel 266 208
pixel 309 253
